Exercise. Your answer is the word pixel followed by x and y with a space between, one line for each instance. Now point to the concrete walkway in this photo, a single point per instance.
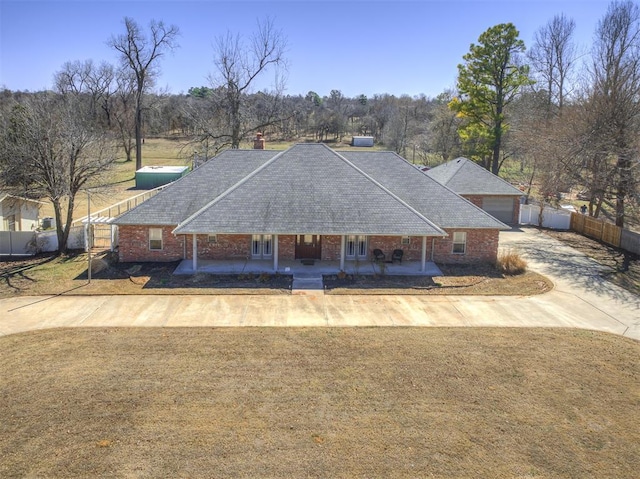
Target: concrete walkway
pixel 580 300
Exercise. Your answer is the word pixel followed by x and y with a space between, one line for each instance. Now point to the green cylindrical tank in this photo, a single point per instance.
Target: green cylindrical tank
pixel 149 177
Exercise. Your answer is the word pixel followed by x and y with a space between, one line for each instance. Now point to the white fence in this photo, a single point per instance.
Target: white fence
pixel 47 241
pixel 551 217
pixel 21 243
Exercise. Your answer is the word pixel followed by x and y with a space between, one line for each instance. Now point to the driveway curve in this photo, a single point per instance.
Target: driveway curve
pixel 580 299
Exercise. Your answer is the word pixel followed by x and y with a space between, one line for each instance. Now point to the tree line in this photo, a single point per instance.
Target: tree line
pixel 567 114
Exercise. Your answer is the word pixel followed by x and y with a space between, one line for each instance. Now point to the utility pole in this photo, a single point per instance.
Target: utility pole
pixel 88 233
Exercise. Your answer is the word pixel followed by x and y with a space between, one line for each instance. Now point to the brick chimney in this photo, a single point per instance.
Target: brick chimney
pixel 258 143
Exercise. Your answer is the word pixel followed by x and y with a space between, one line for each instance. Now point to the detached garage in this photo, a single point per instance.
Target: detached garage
pixel 484 189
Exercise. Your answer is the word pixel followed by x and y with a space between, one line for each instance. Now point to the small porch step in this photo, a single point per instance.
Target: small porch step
pixel 307 283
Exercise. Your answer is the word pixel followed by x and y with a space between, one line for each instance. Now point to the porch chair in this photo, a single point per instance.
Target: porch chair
pixel 378 255
pixel 397 255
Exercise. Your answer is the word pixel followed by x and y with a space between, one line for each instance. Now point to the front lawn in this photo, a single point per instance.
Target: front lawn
pixel 319 402
pixel 50 274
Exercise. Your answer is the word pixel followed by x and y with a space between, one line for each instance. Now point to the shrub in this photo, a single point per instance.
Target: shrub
pixel 511 264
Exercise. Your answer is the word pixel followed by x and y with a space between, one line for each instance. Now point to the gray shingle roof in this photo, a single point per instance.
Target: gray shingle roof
pixel 187 195
pixel 309 188
pixel 437 202
pixel 468 178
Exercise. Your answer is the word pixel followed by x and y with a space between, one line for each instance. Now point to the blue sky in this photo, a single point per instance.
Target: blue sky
pixel 358 47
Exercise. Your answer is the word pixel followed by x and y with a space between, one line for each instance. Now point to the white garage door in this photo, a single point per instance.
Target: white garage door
pixel 500 208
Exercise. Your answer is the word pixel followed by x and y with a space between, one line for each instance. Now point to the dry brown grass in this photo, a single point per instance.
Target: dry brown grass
pixel 342 402
pixel 47 274
pixel 511 264
pixel 457 280
pixel 67 275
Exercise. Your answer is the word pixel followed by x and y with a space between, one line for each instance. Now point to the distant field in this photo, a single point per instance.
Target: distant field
pixel 119 182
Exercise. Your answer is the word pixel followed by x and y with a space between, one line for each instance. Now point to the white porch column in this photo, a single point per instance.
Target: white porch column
pixel 342 248
pixel 112 237
pixel 424 254
pixel 86 236
pixel 275 253
pixel 194 258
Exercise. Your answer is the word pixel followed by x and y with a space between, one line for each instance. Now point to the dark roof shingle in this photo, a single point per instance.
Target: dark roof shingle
pixel 468 178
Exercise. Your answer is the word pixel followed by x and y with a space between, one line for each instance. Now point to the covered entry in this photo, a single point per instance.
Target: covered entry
pixel 308 247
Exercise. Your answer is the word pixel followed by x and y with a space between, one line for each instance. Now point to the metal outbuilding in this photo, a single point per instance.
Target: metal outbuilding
pixel 361 141
pixel 149 177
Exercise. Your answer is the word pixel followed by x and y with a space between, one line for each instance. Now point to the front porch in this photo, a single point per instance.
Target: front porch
pixel 295 267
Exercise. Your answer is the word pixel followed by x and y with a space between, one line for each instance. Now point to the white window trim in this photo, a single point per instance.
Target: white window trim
pixel 260 254
pixel 455 243
pixel 405 240
pixel 360 247
pixel 151 238
pixel 212 239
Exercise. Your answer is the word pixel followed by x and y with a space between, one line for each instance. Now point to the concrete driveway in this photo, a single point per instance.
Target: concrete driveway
pixel 581 299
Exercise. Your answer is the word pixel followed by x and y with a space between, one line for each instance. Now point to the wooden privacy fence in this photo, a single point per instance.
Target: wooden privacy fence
pixel 606 232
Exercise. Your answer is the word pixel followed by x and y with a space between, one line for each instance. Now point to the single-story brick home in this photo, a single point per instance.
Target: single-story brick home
pixel 307 202
pixel 484 189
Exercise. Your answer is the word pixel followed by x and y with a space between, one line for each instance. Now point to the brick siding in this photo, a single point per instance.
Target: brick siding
pixel 225 247
pixel 331 245
pixel 482 246
pixel 134 244
pixel 286 247
pixel 412 251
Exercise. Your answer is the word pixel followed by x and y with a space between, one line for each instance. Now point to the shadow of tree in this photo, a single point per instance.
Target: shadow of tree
pixel 574 267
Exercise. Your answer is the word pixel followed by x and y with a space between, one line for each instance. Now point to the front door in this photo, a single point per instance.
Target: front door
pixel 308 247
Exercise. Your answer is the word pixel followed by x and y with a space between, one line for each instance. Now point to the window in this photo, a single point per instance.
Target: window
pixel 356 246
pixel 459 242
pixel 405 240
pixel 261 246
pixel 212 239
pixel 155 238
pixel 267 245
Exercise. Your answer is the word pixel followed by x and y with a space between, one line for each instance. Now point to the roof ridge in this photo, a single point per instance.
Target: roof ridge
pixel 387 190
pixel 443 185
pixel 490 172
pixel 229 190
pixel 457 167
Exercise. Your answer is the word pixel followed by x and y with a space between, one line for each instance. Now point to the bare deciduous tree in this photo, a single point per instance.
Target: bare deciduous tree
pixel 140 53
pixel 443 136
pixel 85 78
pixel 55 149
pixel 553 57
pixel 238 65
pixel 613 108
